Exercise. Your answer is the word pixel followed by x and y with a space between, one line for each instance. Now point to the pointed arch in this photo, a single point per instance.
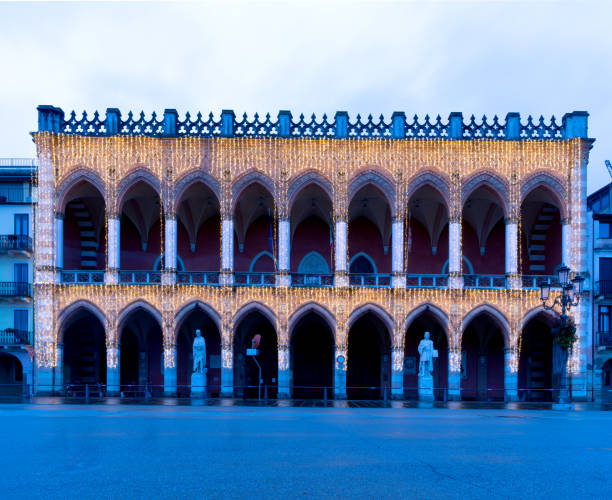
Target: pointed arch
pixel 378 311
pixel 191 178
pixel 247 179
pixel 192 305
pixel 66 314
pixel 365 256
pixel 76 177
pixel 127 311
pixel 245 310
pixel 551 317
pixel 432 179
pixel 435 311
pixel 132 179
pixel 303 180
pixel 264 253
pixel 494 314
pixel 312 307
pixel 552 184
pixel 377 179
pixel 490 180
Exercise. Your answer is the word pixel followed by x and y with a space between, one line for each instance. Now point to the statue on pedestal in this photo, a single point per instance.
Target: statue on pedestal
pixel 426 353
pixel 199 353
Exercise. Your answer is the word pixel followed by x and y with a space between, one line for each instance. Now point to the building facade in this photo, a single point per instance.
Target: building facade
pixel 338 242
pixel 16 273
pixel 600 264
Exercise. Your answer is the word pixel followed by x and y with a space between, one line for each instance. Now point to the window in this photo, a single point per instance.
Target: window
pixel 605 269
pixel 605 314
pixel 605 229
pixel 604 202
pixel 20 273
pixel 20 319
pixel 22 225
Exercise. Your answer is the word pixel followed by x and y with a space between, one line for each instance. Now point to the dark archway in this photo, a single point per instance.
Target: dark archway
pixel 535 381
pixel 198 319
pixel 246 372
pixel 425 322
pixel 482 361
pixel 141 354
pixel 312 357
pixel 11 375
pixel 369 359
pixel 84 349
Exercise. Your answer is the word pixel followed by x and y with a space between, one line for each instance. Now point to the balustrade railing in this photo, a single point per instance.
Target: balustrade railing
pixel 15 289
pixel 78 277
pixel 12 336
pixel 533 281
pixel 15 242
pixel 315 280
pixel 140 277
pixel 484 281
pixel 370 280
pixel 604 339
pixel 426 280
pixel 254 279
pixel 197 278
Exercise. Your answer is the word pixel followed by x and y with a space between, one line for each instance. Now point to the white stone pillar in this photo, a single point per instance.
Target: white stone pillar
pixel 397 373
pixel 113 362
pixel 397 253
pixel 227 251
pixel 44 380
pixel 59 367
pixel 566 243
pixel 227 371
pixel 284 253
pixel 170 370
pixel 341 253
pixel 454 375
pixel 59 241
pixel 454 254
pixel 340 373
pixel 510 375
pixel 284 373
pixel 512 257
pixel 170 257
pixel 113 250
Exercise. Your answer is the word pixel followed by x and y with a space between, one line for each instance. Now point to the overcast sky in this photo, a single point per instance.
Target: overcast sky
pixel 371 57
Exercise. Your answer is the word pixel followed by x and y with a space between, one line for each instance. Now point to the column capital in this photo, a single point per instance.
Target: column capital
pixel 510 220
pixel 59 216
pixel 565 221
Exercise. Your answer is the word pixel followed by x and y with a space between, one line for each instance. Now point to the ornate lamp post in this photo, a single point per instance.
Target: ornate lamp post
pixel 571 292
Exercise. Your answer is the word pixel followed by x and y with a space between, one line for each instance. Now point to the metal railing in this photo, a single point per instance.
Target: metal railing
pixel 197 278
pixel 15 242
pixel 426 280
pixel 254 279
pixel 370 280
pixel 15 289
pixel 315 280
pixel 78 277
pixel 604 339
pixel 12 336
pixel 603 288
pixel 533 281
pixel 484 281
pixel 140 277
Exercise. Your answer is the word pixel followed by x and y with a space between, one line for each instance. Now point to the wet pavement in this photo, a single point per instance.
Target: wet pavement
pixel 227 449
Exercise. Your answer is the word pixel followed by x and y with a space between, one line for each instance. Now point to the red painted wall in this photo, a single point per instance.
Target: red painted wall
pixel 132 256
pixel 311 235
pixel 207 255
pixel 420 258
pixel 72 245
pixel 256 241
pixel 553 245
pixel 364 236
pixel 494 259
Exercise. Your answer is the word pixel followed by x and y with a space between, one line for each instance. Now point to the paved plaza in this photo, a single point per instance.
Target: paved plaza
pixel 58 451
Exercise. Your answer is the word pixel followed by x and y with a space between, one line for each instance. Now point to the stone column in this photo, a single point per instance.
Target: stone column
pixel 170 388
pixel 512 256
pixel 227 251
pixel 59 367
pixel 341 253
pixel 397 373
pixel 284 253
pixel 510 374
pixel 566 243
pixel 284 373
pixel 113 362
pixel 59 241
pixel 113 250
pixel 455 279
pixel 397 253
pixel 170 251
pixel 454 374
pixel 340 372
pixel 227 370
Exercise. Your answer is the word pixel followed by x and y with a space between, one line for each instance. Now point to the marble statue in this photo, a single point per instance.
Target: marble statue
pixel 426 353
pixel 199 353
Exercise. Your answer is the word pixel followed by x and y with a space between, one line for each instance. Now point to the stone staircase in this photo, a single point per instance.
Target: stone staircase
pixel 89 245
pixel 537 242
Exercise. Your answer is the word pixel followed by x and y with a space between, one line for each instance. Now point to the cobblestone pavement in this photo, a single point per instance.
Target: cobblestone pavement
pixel 220 451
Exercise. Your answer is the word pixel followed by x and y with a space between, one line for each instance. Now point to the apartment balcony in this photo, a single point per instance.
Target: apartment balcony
pixel 604 339
pixel 16 244
pixel 15 291
pixel 13 337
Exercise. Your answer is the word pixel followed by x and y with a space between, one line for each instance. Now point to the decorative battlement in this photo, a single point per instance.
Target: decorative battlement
pixel 52 119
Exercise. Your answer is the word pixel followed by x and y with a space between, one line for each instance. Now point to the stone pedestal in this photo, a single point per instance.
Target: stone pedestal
pixel 198 385
pixel 426 388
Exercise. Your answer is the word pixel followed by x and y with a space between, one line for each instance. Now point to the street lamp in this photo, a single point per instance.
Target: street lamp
pixel 571 293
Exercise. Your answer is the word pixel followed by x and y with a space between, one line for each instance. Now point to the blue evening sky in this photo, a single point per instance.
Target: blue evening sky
pixel 431 57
